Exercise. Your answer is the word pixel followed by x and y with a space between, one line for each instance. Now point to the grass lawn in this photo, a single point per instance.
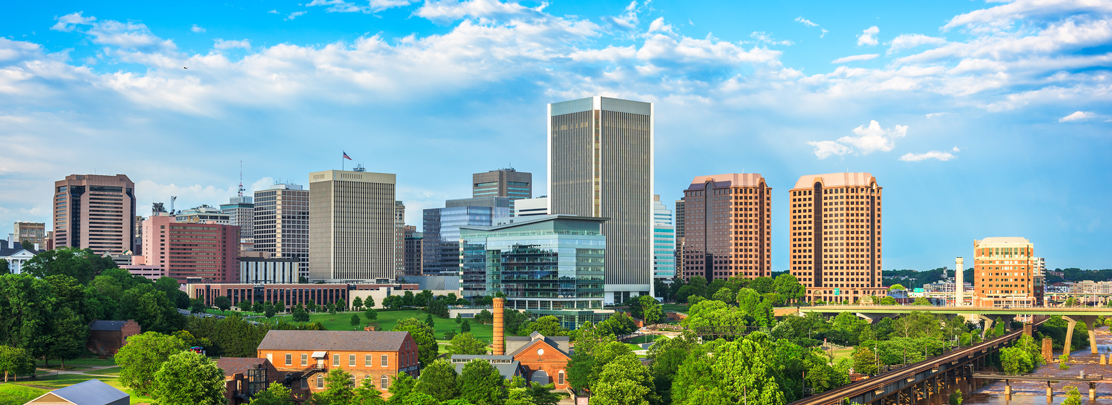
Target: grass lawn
pixel 647 339
pixel 840 354
pixel 388 319
pixel 674 307
pixel 51 382
pixel 11 394
pixel 81 362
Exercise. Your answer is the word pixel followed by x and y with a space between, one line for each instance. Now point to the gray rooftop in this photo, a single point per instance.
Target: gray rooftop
pixel 92 392
pixel 333 340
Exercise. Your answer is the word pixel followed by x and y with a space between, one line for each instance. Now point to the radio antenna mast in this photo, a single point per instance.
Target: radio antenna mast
pixel 241 178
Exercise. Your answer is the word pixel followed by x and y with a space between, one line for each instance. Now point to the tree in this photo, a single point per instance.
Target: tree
pixel 864 361
pixel 367 393
pixel 580 368
pixel 223 302
pixel 338 389
pixel 26 244
pixel 354 320
pixel 480 383
pixel 624 381
pixel 427 348
pixel 459 318
pixel 357 303
pixel 189 378
pixel 244 305
pixel 280 306
pixel 956 397
pixel 724 294
pixel 429 321
pixel 4 269
pixel 82 265
pixel 369 302
pixel 25 313
pixel 547 325
pixel 651 310
pixel 15 361
pixel 400 388
pixel 789 287
pixel 68 337
pixel 1015 361
pixel 896 287
pixel 1073 396
pixel 143 356
pixel 667 355
pixel 438 380
pixel 299 314
pixel 275 394
pixel 196 306
pixel 466 343
pixel 270 311
pixel 370 314
pixel 331 307
pixel 465 327
pixel 260 307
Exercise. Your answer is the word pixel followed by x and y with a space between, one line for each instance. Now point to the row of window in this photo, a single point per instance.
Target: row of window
pixel 368 360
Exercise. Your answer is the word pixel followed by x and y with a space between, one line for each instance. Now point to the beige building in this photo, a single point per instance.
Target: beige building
pixel 399 238
pixel 835 233
pixel 351 225
pixel 1005 273
pixel 728 227
pixel 95 212
pixel 34 232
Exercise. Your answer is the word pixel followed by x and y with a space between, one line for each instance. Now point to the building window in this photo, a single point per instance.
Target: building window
pixel 304 384
pixel 335 360
pixel 304 360
pixel 289 359
pixel 385 361
pixel 320 381
pixel 367 361
pixel 561 377
pixel 351 360
pixel 384 382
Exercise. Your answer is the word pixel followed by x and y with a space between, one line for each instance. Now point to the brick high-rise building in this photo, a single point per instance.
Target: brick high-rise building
pixel 207 251
pixel 281 217
pixel 95 212
pixel 728 227
pixel 34 232
pixel 1005 273
pixel 836 236
pixel 352 226
pixel 508 183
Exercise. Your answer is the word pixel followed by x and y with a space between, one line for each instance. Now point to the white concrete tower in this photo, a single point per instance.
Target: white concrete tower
pixel 959 282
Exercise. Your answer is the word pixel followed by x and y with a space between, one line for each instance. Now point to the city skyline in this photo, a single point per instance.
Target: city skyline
pixel 992 143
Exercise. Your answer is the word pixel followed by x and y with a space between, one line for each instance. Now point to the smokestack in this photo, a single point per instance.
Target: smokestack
pixel 499 335
pixel 959 283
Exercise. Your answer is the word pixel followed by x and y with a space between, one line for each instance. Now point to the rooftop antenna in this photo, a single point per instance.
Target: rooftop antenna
pixel 241 178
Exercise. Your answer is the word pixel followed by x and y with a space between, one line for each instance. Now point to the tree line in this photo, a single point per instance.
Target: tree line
pixel 783 290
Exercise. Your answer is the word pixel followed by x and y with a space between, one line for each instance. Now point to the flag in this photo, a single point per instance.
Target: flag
pixel 346 156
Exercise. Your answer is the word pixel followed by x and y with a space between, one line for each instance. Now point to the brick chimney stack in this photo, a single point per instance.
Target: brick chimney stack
pixel 499 335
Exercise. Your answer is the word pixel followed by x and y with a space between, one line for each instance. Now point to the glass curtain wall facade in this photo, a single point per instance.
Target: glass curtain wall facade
pixel 548 265
pixel 600 162
pixel 441 234
pixel 664 241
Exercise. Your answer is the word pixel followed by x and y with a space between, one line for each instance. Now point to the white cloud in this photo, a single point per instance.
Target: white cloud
pixel 867 36
pixel 935 114
pixel 275 11
pixel 805 21
pixel 628 20
pixel 825 149
pixel 866 140
pixel 230 44
pixel 197 29
pixel 1001 17
pixel 445 11
pixel 909 41
pixel 854 58
pixel 68 22
pixel 295 14
pixel 934 154
pixel 1078 116
pixel 129 35
pixel 764 37
pixel 372 6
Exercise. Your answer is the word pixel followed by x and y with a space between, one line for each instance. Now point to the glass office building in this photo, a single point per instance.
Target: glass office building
pixel 664 241
pixel 440 248
pixel 547 265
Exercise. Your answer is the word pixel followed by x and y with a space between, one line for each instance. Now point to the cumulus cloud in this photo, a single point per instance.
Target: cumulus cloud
pixel 910 41
pixel 868 37
pixel 866 140
pixel 295 14
pixel 231 44
pixel 1002 17
pixel 935 114
pixel 854 58
pixel 809 23
pixel 628 20
pixel 275 11
pixel 766 38
pixel 446 11
pixel 197 29
pixel 371 6
pixel 934 154
pixel 129 35
pixel 69 22
pixel 1078 116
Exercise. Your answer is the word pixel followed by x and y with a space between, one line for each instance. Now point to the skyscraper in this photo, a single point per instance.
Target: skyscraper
pixel 508 183
pixel 600 164
pixel 680 240
pixel 836 236
pixel 95 212
pixel 729 227
pixel 441 230
pixel 413 242
pixel 192 250
pixel 352 226
pixel 282 223
pixel 399 238
pixel 1005 273
pixel 664 241
pixel 241 213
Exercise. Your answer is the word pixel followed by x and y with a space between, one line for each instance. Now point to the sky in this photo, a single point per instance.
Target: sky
pixel 979 119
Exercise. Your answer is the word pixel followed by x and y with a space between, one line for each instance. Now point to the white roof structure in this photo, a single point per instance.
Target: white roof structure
pixel 92 392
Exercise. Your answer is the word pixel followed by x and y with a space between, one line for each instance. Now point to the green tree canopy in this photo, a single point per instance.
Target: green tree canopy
pixel 427 348
pixel 222 302
pixel 15 361
pixel 82 265
pixel 480 383
pixel 357 304
pixel 438 380
pixel 896 287
pixel 275 394
pixel 142 356
pixel 338 389
pixel 466 343
pixel 189 378
pixel 651 311
pixel 624 381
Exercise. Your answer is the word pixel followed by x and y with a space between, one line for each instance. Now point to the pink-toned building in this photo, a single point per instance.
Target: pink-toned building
pixel 206 251
pixel 144 270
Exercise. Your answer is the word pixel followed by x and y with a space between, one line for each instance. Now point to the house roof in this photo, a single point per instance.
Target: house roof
pixel 15 249
pixel 359 341
pixel 1002 240
pixel 507 370
pixel 92 392
pixel 518 344
pixel 239 365
pixel 107 325
pixel 846 179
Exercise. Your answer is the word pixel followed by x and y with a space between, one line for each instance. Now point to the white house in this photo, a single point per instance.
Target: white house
pixel 16 256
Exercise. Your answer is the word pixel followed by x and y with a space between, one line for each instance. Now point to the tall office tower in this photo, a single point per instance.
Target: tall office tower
pixel 351 225
pixel 137 247
pixel 531 207
pixel 600 164
pixel 664 241
pixel 202 214
pixel 836 236
pixel 729 227
pixel 282 223
pixel 34 232
pixel 413 241
pixel 191 250
pixel 441 229
pixel 502 183
pixel 680 241
pixel 241 213
pixel 399 239
pixel 95 212
pixel 1005 273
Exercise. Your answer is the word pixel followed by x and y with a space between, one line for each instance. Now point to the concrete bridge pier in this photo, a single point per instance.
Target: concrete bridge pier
pixel 1090 322
pixel 986 323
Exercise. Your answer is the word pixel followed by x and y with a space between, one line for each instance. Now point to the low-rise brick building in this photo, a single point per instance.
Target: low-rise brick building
pixel 309 354
pixel 246 376
pixel 544 357
pixel 107 337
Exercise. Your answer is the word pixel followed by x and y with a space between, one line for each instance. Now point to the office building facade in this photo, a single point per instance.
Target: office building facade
pixel 531 207
pixel 351 225
pixel 728 227
pixel 1005 273
pixel 507 183
pixel 281 216
pixel 664 241
pixel 34 232
pixel 600 164
pixel 191 251
pixel 94 212
pixel 413 251
pixel 241 212
pixel 203 214
pixel 836 236
pixel 441 230
pixel 399 238
pixel 257 270
pixel 547 265
pixel 680 241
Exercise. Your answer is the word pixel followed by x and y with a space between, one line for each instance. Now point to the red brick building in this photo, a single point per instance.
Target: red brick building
pixel 545 358
pixel 308 355
pixel 205 251
pixel 246 376
pixel 107 337
pixel 290 294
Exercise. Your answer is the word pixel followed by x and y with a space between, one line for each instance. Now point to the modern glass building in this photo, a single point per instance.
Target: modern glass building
pixel 441 229
pixel 547 265
pixel 664 241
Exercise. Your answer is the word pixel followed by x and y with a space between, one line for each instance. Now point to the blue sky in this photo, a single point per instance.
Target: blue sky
pixel 979 119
